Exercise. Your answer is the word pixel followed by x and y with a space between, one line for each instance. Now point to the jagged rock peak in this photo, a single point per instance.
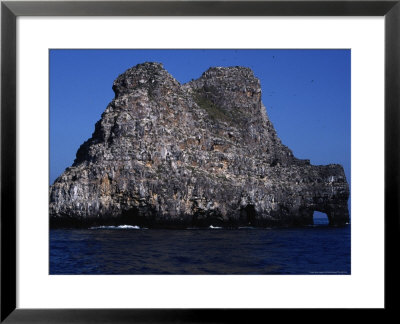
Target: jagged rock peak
pixel 238 71
pixel 146 75
pixel 229 77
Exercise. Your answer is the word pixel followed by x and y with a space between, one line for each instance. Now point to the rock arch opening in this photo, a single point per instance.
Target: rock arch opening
pixel 320 218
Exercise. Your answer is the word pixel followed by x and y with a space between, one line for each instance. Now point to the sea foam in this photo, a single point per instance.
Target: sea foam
pixel 116 227
pixel 214 227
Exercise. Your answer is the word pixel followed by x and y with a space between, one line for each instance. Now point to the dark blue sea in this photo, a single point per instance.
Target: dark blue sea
pixel 317 249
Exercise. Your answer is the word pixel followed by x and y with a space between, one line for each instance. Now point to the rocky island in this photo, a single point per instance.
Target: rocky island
pixel 173 155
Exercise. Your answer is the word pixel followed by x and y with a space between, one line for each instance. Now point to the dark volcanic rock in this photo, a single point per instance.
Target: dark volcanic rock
pixel 203 153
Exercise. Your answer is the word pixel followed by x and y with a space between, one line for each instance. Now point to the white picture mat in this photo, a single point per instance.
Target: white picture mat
pixel 363 288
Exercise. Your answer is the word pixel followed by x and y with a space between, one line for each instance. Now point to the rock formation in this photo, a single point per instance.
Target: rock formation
pixel 203 153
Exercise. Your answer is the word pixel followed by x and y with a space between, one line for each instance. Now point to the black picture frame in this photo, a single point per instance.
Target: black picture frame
pixel 10 10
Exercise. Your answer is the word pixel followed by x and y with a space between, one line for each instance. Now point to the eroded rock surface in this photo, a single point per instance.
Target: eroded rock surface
pixel 199 154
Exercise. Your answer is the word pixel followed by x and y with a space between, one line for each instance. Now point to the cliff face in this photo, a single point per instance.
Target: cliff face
pixel 203 153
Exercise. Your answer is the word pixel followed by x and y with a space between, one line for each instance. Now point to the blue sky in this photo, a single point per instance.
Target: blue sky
pixel 306 93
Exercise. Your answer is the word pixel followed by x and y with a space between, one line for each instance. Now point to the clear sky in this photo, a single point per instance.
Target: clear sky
pixel 306 93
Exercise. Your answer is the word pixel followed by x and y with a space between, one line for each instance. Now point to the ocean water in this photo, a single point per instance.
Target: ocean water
pixel 313 250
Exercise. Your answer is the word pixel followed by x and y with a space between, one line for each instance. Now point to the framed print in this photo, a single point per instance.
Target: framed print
pixel 197 160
